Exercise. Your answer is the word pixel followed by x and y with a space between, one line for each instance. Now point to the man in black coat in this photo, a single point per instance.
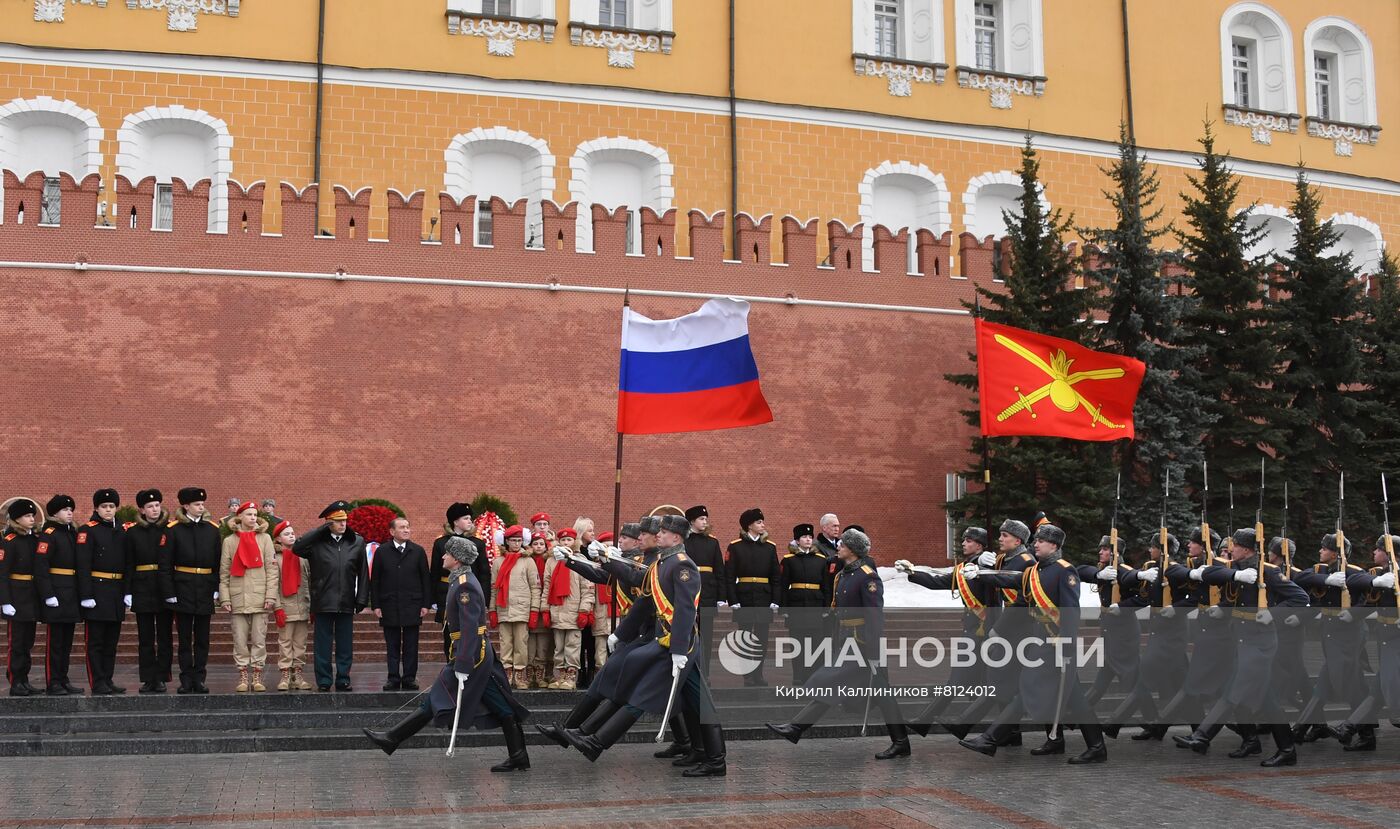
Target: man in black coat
pixel 104 570
pixel 19 598
pixel 703 549
pixel 751 577
pixel 401 595
pixel 152 590
pixel 459 522
pixel 195 550
pixel 339 589
pixel 56 575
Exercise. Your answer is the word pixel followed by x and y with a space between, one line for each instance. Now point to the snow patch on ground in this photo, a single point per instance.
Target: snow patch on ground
pixel 900 593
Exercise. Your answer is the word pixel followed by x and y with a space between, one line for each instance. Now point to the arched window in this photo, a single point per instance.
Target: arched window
pixel 1001 36
pixel 505 163
pixel 1256 49
pixel 1278 230
pixel 902 194
pixel 50 136
pixel 175 142
pixel 988 198
pixel 1341 72
pixel 1362 239
pixel 619 172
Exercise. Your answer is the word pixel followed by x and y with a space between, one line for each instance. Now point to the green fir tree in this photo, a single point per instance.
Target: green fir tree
pixel 1378 396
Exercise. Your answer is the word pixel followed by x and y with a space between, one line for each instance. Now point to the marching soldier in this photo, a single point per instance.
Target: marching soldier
pixel 104 571
pixel 56 575
pixel 1292 684
pixel 977 596
pixel 704 550
pixel 1340 679
pixel 1377 597
pixel 859 601
pixel 751 575
pixel 1119 628
pixel 1050 589
pixel 195 552
pixel 800 588
pixel 651 671
pixel 1212 651
pixel 1255 640
pixel 459 522
pixel 473 678
pixel 19 596
pixel 152 590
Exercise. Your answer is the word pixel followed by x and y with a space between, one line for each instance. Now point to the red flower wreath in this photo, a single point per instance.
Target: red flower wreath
pixel 372 522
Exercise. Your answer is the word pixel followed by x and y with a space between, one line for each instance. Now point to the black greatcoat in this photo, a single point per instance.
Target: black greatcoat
pixel 195 550
pixel 104 569
pixel 646 678
pixel 339 571
pixel 472 655
pixel 709 560
pixel 56 572
pixel 152 582
pixel 1255 643
pixel 17 586
pixel 398 584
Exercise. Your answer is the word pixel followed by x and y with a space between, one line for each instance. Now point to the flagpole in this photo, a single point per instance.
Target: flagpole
pixel 617 477
pixel 986 454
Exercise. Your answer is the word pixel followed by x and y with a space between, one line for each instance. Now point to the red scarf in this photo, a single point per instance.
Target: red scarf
pixel 503 579
pixel 560 586
pixel 605 598
pixel 291 572
pixel 247 555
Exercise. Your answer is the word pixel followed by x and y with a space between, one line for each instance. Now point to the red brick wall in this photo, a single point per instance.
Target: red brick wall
pixel 308 390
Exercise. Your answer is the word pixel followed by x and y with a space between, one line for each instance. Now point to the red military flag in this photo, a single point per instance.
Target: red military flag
pixel 1031 384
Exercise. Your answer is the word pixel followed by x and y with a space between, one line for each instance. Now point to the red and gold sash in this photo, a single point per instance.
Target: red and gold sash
pixel 1009 594
pixel 969 599
pixel 664 608
pixel 1039 596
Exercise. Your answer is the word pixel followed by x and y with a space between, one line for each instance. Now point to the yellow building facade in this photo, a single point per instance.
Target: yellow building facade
pixel 901 112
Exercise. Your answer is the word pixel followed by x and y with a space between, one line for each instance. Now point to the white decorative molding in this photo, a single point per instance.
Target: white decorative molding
pixel 132 146
pixel 183 15
pixel 1004 179
pixel 1343 136
pixel 934 206
pixel 900 75
pixel 622 46
pixel 501 35
pixel 51 11
pixel 662 195
pixel 1262 125
pixel 1000 85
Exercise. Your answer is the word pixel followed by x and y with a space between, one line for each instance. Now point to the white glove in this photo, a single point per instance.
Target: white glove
pixel 216 595
pixel 903 565
pixel 615 554
pixel 1108 574
pixel 1195 573
pixel 88 603
pixel 8 610
pixel 1149 576
pixel 595 548
pixel 969 571
pixel 1344 617
pixel 126 600
pixel 559 554
pixel 1195 612
pixel 736 605
pixel 678 663
pixel 1113 609
pixel 173 600
pixel 612 642
pixel 1337 579
pixel 1247 576
pixel 433 608
pixel 1292 620
pixel 772 606
pixel 461 677
pixel 1385 581
pixel 1215 611
pixel 51 601
pixel 1169 612
pixel 721 604
pixel 1264 617
pixel 988 559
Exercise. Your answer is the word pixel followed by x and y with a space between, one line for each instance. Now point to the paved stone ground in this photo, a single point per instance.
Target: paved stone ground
pixel 820 783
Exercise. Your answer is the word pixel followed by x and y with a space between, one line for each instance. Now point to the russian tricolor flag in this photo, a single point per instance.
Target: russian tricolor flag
pixel 690 374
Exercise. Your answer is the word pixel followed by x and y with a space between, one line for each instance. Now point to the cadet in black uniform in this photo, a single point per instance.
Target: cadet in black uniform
pixel 1250 692
pixel 1212 649
pixel 703 549
pixel 859 601
pixel 56 575
pixel 1343 634
pixel 459 522
pixel 751 576
pixel 1377 595
pixel 195 550
pixel 977 597
pixel 800 586
pixel 104 571
pixel 1119 628
pixel 152 590
pixel 19 596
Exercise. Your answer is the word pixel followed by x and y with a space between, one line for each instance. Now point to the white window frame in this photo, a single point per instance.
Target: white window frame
pixel 19 110
pixel 527 9
pixel 611 11
pixel 1020 42
pixel 663 193
pixel 1351 69
pixel 163 207
pixel 919 31
pixel 1244 71
pixel 132 148
pixel 51 202
pixel 498 8
pixel 1324 69
pixel 484 224
pixel 937 213
pixel 888 26
pixel 1273 81
pixel 980 28
pixel 457 179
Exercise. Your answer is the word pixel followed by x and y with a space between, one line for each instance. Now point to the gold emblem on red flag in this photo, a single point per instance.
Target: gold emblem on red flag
pixel 1061 388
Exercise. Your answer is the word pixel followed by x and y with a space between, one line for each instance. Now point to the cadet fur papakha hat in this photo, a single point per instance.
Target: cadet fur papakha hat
pixel 1013 527
pixel 697 511
pixel 190 494
pixel 458 510
pixel 515 531
pixel 676 524
pixel 59 502
pixel 22 507
pixel 858 528
pixel 1155 542
pixel 462 549
pixel 146 496
pixel 1214 538
pixel 1245 538
pixel 1106 541
pixel 649 524
pixel 337 511
pixel 1051 533
pixel 749 516
pixel 632 531
pixel 106 496
pixel 801 530
pixel 977 534
pixel 1329 542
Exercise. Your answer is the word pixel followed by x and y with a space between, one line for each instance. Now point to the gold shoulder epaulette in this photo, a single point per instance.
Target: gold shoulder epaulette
pixel 1317 568
pixel 1027 557
pixel 48 531
pixel 736 541
pixel 681 557
pixel 92 523
pixel 1270 564
pixel 865 568
pixel 171 523
pixel 10 537
pixel 1224 562
pixel 126 525
pixel 789 555
pixel 462 579
pixel 1065 563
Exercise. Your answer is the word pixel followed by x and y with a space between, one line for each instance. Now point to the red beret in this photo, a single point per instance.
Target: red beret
pixel 567 532
pixel 539 516
pixel 281 525
pixel 514 531
pixel 605 537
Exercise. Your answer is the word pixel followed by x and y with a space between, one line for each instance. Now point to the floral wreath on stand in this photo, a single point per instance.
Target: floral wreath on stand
pixel 371 517
pixel 491 530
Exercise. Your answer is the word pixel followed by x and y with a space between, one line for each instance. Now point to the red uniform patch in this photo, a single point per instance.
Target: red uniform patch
pixel 82 537
pixel 162 541
pixel 43 547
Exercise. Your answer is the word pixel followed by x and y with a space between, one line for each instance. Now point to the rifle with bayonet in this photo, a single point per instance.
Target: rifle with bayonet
pixel 1213 594
pixel 1389 543
pixel 1341 539
pixel 1116 560
pixel 1287 553
pixel 1162 542
pixel 1261 598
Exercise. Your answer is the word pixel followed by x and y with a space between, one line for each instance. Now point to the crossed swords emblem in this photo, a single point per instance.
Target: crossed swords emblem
pixel 1061 388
